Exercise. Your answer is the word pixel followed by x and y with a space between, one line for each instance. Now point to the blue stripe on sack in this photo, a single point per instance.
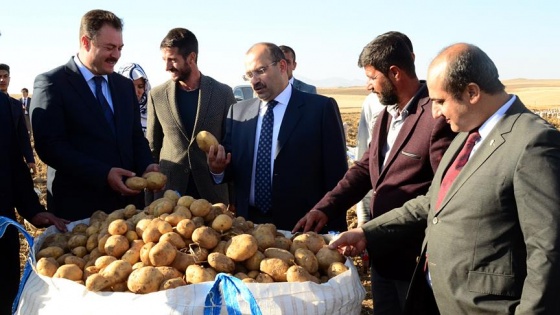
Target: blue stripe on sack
pixel 4 223
pixel 231 287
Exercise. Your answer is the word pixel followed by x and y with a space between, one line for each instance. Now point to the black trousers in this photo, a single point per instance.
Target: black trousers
pixel 10 271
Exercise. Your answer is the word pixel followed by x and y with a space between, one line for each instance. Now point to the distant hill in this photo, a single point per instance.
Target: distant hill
pixel 333 82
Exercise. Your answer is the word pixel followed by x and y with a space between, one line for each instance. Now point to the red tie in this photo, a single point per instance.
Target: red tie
pixel 457 165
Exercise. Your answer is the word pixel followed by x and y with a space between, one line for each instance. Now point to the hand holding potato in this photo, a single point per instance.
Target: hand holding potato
pixel 218 160
pixel 115 180
pixel 314 218
pixel 205 140
pixel 350 243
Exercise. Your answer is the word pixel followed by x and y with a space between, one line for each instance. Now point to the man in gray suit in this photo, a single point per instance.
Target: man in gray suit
pixel 493 238
pixel 290 56
pixel 178 110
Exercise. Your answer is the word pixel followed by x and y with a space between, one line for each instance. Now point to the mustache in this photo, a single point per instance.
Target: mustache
pixel 112 60
pixel 259 85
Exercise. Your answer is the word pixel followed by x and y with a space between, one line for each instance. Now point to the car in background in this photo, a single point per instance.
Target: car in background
pixel 243 92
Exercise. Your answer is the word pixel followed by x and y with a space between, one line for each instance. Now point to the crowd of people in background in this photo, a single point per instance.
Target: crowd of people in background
pixel 457 181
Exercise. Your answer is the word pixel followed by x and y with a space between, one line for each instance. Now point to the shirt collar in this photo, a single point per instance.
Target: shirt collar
pixel 291 80
pixel 86 73
pixel 491 122
pixel 283 98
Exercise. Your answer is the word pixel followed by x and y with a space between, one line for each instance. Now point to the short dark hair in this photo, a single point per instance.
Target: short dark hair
pixel 5 67
pixel 388 50
pixel 94 20
pixel 183 39
pixel 274 52
pixel 471 65
pixel 402 36
pixel 289 49
pixel 25 90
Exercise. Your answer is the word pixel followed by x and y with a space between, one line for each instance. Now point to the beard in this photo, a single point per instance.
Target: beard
pixel 387 95
pixel 182 75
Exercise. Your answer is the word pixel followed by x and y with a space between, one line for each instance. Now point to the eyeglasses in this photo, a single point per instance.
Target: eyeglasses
pixel 260 71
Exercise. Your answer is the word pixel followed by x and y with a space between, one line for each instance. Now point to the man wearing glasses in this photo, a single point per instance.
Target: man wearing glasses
pixel 283 150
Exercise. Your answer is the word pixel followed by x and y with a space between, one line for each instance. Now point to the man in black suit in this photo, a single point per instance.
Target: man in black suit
pixel 25 105
pixel 306 149
pixel 18 118
pixel 86 124
pixel 16 191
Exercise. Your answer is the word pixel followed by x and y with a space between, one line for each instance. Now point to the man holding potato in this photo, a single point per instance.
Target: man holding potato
pixel 282 150
pixel 86 124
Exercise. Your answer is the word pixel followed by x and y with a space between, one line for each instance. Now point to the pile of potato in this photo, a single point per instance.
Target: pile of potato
pixel 177 241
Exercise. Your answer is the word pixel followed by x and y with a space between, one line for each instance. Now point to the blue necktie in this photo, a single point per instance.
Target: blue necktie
pixel 263 183
pixel 107 112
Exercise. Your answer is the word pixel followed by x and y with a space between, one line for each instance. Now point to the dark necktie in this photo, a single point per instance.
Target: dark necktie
pixel 263 183
pixel 457 165
pixel 107 112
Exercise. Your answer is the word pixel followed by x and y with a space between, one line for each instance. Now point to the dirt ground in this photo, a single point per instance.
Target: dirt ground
pixel 351 119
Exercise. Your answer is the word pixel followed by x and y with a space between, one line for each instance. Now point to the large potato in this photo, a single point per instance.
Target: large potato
pixel 222 222
pixel 200 207
pixel 132 255
pixel 70 272
pixel 206 237
pixel 51 251
pixel 198 274
pixel 185 228
pixel 156 180
pixel 182 261
pixel 299 274
pixel 241 247
pixel 117 271
pixel 306 259
pixel 280 253
pixel 336 268
pixel 97 282
pixel 205 139
pixel 144 280
pixel 47 266
pixel 254 262
pixel 276 268
pixel 116 245
pixel 117 227
pixel 162 254
pixel 136 183
pixel 326 257
pixel 221 263
pixel 172 283
pixel 313 241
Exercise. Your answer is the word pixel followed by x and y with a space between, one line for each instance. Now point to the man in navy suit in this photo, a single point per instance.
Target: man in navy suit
pixel 307 153
pixel 86 125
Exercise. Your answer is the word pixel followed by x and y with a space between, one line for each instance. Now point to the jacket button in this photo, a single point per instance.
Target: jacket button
pixel 435 220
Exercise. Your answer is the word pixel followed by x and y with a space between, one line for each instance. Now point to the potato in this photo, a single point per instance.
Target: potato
pixel 280 253
pixel 282 242
pixel 92 242
pixel 175 217
pixel 130 211
pixel 206 237
pixel 156 180
pixel 141 225
pixel 173 238
pixel 144 280
pixel 97 282
pixel 205 140
pixel 306 259
pixel 117 227
pixel 200 254
pixel 162 254
pixel 136 183
pixel 199 274
pixel 241 247
pixel 336 268
pixel 97 216
pixel 169 272
pixel 264 237
pixel 212 214
pixel 74 260
pixel 185 201
pixel 119 287
pixel 254 262
pixel 220 248
pixel 222 222
pixel 182 261
pixel 241 275
pixel 116 245
pixel 263 278
pixel 132 255
pixel 185 228
pixel 51 251
pixel 104 261
pixel 80 228
pixel 299 274
pixel 200 207
pixel 172 195
pixel 60 259
pixel 172 283
pixel 117 214
pixel 221 263
pixel 198 221
pixel 145 253
pixel 326 257
pixel 313 241
pixel 117 271
pixel 47 266
pixel 79 251
pixel 275 267
pixel 164 205
pixel 70 272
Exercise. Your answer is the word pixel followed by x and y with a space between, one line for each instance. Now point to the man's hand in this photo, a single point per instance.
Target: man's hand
pixel 350 243
pixel 43 219
pixel 218 160
pixel 115 180
pixel 314 218
pixel 32 167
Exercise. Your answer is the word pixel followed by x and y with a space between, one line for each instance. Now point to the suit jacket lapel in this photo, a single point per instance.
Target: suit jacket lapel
pixel 406 131
pixel 250 116
pixel 290 120
pixel 77 81
pixel 205 91
pixel 489 145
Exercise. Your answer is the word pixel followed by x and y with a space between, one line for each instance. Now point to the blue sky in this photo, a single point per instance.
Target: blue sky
pixel 522 37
